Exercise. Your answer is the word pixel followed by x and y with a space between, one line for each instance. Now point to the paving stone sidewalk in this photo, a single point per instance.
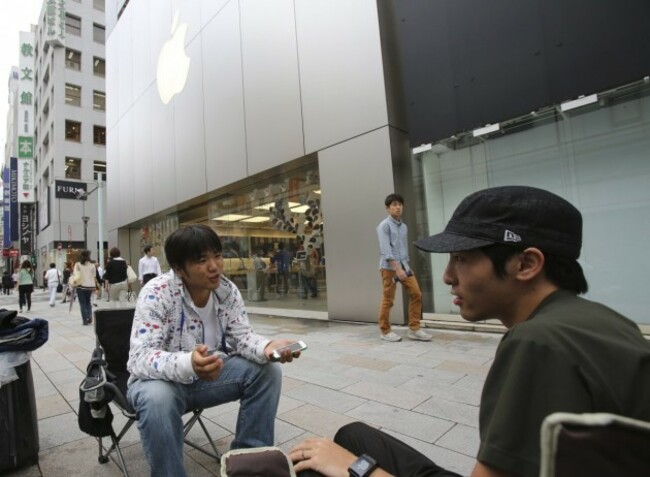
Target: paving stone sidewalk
pixel 424 393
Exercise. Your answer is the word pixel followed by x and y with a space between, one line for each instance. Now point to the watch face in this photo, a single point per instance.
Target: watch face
pixel 362 466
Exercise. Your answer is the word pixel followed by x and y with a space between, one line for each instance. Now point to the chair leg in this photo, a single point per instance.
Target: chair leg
pixel 196 416
pixel 115 446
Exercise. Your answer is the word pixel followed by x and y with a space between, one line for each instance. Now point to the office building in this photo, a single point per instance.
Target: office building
pixel 69 132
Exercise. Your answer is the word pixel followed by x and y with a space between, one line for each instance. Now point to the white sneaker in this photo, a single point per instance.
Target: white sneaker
pixel 390 336
pixel 419 335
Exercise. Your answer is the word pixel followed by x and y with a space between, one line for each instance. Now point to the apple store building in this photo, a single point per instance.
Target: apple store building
pixel 285 123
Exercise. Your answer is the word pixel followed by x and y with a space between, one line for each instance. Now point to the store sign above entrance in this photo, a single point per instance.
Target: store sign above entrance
pixel 10 252
pixel 69 190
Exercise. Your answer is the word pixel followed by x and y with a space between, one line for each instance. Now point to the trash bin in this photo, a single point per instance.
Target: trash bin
pixel 18 422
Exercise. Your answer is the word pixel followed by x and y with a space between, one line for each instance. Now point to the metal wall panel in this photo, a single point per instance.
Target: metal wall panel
pixel 209 8
pixel 124 58
pixel 271 84
pixel 189 143
pixel 341 73
pixel 126 172
pixel 223 99
pixel 160 16
pixel 143 163
pixel 143 67
pixel 112 80
pixel 354 205
pixel 113 189
pixel 162 142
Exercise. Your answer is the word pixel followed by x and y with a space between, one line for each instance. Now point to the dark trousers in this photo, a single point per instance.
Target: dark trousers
pixel 391 454
pixel 147 276
pixel 25 296
pixel 284 277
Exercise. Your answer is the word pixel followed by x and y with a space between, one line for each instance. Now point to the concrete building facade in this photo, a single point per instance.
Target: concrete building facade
pixel 69 130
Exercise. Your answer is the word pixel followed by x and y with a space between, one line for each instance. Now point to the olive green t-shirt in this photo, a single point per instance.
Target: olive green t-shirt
pixel 571 355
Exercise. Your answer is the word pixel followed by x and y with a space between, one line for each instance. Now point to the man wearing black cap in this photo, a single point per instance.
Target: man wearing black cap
pixel 513 256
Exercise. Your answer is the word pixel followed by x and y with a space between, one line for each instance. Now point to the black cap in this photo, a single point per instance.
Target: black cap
pixel 511 215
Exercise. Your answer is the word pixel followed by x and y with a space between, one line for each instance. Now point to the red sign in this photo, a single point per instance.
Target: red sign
pixel 10 252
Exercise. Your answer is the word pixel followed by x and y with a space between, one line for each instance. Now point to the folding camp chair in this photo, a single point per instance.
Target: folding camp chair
pixel 606 445
pixel 106 382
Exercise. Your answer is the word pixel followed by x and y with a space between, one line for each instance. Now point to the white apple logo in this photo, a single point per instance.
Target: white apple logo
pixel 173 63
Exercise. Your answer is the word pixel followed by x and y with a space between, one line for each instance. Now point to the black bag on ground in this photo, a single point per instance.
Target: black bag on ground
pixel 18 422
pixel 95 416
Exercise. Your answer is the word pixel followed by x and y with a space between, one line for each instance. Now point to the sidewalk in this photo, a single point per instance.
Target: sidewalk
pixel 426 394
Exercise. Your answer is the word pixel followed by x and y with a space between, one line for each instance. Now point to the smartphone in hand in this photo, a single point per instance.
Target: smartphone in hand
pixel 294 347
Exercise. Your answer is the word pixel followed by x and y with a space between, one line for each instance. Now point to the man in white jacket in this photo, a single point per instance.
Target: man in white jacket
pixel 179 317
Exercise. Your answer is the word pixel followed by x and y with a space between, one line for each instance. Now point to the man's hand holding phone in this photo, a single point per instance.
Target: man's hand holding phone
pixel 207 363
pixel 284 351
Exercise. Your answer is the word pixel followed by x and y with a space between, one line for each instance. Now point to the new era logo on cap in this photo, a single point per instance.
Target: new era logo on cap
pixel 509 236
pixel 541 218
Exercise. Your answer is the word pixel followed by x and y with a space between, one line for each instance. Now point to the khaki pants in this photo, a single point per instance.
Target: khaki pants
pixel 388 297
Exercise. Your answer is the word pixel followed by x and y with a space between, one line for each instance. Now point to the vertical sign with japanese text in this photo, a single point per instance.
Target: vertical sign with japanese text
pixel 55 22
pixel 6 236
pixel 26 229
pixel 25 126
pixel 13 199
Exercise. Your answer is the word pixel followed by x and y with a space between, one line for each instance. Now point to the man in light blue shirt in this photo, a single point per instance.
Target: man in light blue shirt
pixel 394 267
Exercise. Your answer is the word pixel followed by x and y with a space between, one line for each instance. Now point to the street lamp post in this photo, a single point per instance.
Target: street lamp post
pixel 100 217
pixel 85 218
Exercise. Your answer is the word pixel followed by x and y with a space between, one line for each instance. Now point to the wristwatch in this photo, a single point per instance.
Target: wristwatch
pixel 363 466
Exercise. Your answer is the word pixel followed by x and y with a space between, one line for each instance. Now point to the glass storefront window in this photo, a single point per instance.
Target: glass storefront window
pixel 254 219
pixel 597 157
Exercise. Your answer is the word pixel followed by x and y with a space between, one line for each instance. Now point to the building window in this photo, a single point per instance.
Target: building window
pixel 72 95
pixel 569 154
pixel 72 130
pixel 99 168
pixel 72 59
pixel 99 135
pixel 99 101
pixel 98 5
pixel 72 168
pixel 99 33
pixel 99 67
pixel 72 25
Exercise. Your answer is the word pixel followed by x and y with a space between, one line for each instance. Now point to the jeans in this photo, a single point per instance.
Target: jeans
pixel 160 406
pixel 388 296
pixel 83 295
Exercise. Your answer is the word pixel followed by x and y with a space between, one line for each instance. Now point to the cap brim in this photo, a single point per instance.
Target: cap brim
pixel 446 242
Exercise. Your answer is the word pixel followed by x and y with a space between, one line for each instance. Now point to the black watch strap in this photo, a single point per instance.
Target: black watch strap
pixel 363 466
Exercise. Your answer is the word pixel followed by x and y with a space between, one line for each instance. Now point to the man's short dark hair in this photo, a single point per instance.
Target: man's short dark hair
pixel 147 248
pixel 563 272
pixel 390 198
pixel 190 243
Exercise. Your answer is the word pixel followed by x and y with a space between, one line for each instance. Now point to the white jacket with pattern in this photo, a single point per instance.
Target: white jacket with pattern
pixel 167 328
